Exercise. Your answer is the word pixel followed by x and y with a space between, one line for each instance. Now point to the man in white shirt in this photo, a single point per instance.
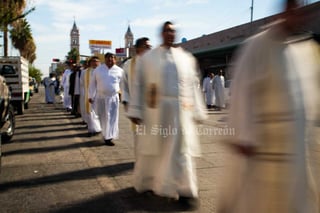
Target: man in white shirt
pixel 104 91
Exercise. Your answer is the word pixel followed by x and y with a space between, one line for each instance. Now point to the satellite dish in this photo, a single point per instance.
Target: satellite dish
pixel 183 40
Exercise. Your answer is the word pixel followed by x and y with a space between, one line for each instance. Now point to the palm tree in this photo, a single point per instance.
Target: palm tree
pixel 20 33
pixel 10 11
pixel 22 39
pixel 29 51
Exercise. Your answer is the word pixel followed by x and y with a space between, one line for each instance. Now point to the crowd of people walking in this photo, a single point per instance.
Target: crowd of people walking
pixel 270 110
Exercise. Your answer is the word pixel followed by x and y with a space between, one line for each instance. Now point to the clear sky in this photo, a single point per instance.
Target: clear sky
pixel 52 21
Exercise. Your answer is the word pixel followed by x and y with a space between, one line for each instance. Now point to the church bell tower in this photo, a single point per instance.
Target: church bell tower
pixel 128 39
pixel 74 37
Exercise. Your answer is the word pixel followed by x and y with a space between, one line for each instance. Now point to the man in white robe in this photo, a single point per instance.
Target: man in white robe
pixel 46 89
pixel 222 79
pixel 87 110
pixel 82 99
pixel 268 170
pixel 65 82
pixel 104 91
pixel 141 46
pixel 208 91
pixel 306 54
pixel 167 102
pixel 218 91
pixel 50 84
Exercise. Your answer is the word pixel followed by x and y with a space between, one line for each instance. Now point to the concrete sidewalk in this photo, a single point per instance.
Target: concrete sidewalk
pixel 52 166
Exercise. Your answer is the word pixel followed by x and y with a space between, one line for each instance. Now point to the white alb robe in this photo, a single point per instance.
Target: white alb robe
pixel 104 89
pixel 222 81
pixel 307 60
pixel 208 90
pixel 127 78
pixel 82 100
pixel 218 91
pixel 50 84
pixel 87 110
pixel 267 112
pixel 166 96
pixel 66 84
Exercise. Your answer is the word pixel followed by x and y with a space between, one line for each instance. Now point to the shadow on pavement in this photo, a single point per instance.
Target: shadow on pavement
pixel 125 200
pixel 41 118
pixel 47 125
pixel 110 171
pixel 93 143
pixel 62 129
pixel 49 138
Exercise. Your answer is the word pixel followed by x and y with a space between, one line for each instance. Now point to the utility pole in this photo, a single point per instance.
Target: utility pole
pixel 251 8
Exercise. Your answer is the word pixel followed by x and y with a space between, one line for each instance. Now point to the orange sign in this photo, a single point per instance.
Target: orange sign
pixel 106 44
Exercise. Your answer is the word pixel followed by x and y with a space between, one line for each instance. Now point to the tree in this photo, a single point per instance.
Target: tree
pixel 20 33
pixel 29 51
pixel 73 55
pixel 60 69
pixel 35 73
pixel 22 39
pixel 10 11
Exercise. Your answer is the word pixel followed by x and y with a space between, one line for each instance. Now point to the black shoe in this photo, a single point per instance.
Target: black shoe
pixel 189 203
pixel 109 142
pixel 90 134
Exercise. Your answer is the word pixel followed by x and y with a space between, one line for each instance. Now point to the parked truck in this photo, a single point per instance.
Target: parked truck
pixel 15 69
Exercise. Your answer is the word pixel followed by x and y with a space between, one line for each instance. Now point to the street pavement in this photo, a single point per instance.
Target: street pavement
pixel 52 166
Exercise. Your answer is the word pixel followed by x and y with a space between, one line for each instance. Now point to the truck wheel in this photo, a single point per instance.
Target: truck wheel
pixel 7 135
pixel 20 108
